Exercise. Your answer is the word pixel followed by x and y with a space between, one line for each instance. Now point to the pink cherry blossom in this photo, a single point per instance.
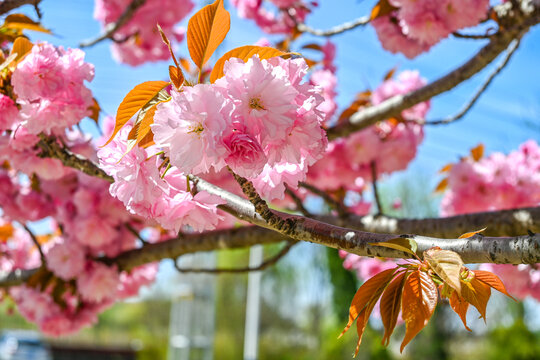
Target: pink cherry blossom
pixel 98 282
pixel 66 259
pixel 8 112
pixel 50 88
pixel 141 41
pixel 245 155
pixel 189 127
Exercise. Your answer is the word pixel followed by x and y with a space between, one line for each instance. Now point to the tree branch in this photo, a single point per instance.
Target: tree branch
pixel 375 188
pixel 361 21
pixel 112 28
pixel 265 264
pixel 36 243
pixel 394 105
pixel 478 249
pixel 511 50
pixel 328 199
pixel 8 5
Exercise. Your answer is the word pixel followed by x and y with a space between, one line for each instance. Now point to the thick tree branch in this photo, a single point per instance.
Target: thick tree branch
pixel 517 23
pixel 112 28
pixel 478 249
pixel 511 50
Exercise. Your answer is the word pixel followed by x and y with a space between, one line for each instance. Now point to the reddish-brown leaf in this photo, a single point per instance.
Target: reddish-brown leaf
pixel 402 244
pixel 362 99
pixel 370 289
pixel 362 321
pixel 23 22
pixel 447 264
pixel 168 43
pixel 185 64
pixel 391 305
pixel 417 304
pixel 95 109
pixel 243 53
pixel 390 74
pixel 134 101
pixel 476 293
pixel 477 152
pixel 446 168
pixel 206 30
pixel 22 46
pixel 382 8
pixel 176 75
pixel 492 280
pixel 470 234
pixel 442 185
pixel 6 231
pixel 460 306
pixel 312 47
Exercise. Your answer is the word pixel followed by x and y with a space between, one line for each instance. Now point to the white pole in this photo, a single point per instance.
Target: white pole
pixel 251 332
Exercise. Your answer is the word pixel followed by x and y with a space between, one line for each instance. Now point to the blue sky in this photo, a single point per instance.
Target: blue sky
pixel 505 116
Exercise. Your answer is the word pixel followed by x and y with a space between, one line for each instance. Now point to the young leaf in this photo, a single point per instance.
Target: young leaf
pixel 417 304
pixel 243 53
pixel 134 101
pixel 460 306
pixel 95 109
pixel 402 244
pixel 476 293
pixel 446 168
pixel 206 30
pixel 6 231
pixel 470 234
pixel 21 47
pixel 391 305
pixel 23 22
pixel 165 39
pixel 447 264
pixel 477 152
pixel 176 75
pixel 363 318
pixel 370 289
pixel 382 8
pixel 492 280
pixel 442 185
pixel 313 46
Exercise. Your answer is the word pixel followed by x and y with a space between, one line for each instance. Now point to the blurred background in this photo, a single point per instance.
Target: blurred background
pixel 304 299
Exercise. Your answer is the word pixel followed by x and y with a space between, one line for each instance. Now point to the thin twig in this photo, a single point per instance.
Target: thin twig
pixel 265 264
pixel 132 230
pixel 472 36
pixel 375 189
pixel 299 203
pixel 112 28
pixel 517 23
pixel 511 50
pixel 361 21
pixel 36 242
pixel 328 199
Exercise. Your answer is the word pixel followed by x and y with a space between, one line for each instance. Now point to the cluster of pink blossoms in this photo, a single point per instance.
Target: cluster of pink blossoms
pixel 49 96
pixel 496 182
pixel 499 182
pixel 282 21
pixel 139 41
pixel 49 84
pixel 416 25
pixel 390 144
